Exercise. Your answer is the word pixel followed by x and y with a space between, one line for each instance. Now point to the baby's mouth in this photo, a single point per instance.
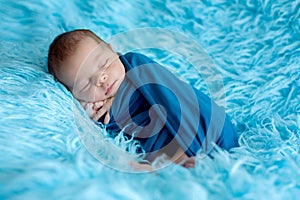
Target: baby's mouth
pixel 109 89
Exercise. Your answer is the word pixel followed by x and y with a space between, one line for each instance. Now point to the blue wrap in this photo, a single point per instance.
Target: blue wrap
pixel 162 112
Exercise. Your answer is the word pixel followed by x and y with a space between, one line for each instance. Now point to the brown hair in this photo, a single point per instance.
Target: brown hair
pixel 64 45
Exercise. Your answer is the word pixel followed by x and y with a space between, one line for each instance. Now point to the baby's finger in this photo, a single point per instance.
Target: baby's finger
pixel 106 104
pixel 107 118
pixel 98 105
pixel 89 110
pixel 99 114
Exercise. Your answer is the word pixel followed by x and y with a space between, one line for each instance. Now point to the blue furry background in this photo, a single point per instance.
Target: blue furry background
pixel 255 45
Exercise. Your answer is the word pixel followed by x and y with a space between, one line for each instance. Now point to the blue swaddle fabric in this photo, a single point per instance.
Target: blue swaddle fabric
pixel 50 149
pixel 185 114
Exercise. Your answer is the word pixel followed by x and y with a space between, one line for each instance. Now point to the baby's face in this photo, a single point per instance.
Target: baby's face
pixel 94 73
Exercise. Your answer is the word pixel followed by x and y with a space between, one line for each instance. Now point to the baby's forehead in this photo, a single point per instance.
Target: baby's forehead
pixel 92 41
pixel 96 50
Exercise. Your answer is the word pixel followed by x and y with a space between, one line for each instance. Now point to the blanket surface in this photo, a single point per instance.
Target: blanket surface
pixel 49 149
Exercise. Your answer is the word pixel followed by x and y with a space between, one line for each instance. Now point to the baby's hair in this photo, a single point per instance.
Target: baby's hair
pixel 64 45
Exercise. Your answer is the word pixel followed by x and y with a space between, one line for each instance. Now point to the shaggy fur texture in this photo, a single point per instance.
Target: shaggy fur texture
pixel 255 46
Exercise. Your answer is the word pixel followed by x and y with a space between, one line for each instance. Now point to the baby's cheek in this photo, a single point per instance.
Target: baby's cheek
pixel 98 95
pixel 89 96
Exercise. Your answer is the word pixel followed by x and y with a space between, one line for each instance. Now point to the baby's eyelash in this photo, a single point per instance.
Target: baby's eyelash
pixel 100 66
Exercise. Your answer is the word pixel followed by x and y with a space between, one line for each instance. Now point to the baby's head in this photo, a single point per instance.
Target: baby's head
pixel 86 65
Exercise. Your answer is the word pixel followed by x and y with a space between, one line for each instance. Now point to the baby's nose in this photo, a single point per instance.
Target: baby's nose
pixel 101 79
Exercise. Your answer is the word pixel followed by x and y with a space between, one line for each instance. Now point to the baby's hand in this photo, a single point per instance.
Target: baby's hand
pixel 97 109
pixel 90 108
pixel 103 108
